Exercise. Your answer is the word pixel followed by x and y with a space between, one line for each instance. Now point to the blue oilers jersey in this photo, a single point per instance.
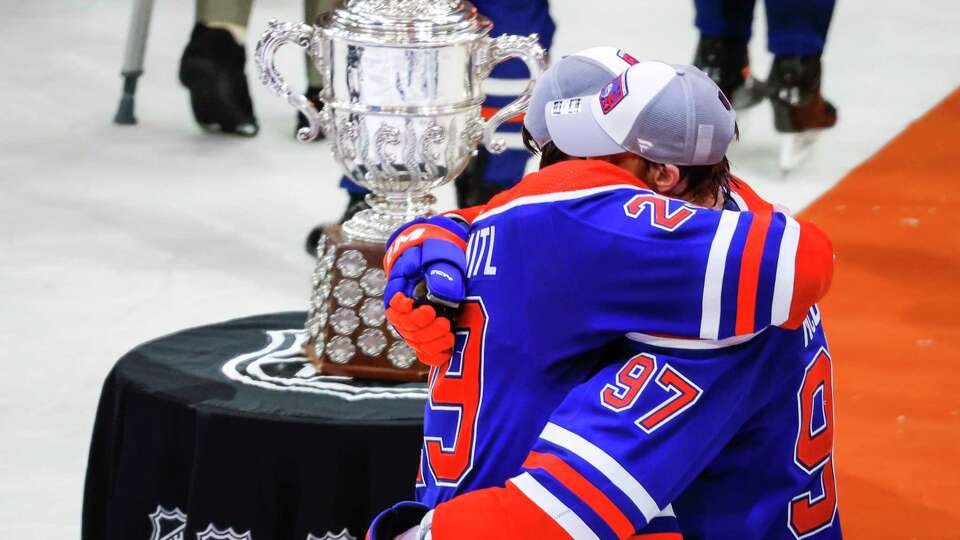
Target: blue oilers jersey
pixel 561 269
pixel 739 438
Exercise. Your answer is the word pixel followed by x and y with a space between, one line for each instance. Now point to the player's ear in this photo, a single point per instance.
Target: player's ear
pixel 665 178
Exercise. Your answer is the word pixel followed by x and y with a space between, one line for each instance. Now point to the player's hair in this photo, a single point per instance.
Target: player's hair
pixel 703 181
pixel 549 154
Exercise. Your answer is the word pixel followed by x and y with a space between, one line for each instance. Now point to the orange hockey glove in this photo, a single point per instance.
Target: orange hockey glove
pixel 427 333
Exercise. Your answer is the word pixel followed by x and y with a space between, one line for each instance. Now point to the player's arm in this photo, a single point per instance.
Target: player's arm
pixel 815 247
pixel 425 261
pixel 660 266
pixel 748 200
pixel 815 252
pixel 425 267
pixel 511 513
pixel 464 216
pixel 500 512
pixel 616 451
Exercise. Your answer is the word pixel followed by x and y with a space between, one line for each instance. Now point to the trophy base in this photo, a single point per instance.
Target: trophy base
pixel 349 334
pixel 371 372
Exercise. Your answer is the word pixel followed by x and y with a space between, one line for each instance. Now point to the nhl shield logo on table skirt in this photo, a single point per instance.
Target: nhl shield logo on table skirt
pixel 213 533
pixel 167 524
pixel 282 366
pixel 342 535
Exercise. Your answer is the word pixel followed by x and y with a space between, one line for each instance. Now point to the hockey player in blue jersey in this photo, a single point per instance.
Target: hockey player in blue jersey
pixel 517 358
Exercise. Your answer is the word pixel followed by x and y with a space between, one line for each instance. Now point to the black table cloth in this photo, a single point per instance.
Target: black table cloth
pixel 227 432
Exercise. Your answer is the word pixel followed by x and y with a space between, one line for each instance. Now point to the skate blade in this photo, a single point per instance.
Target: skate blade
pixel 243 130
pixel 247 130
pixel 795 148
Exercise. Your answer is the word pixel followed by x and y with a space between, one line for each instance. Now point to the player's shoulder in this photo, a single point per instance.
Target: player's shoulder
pixel 590 196
pixel 561 186
pixel 746 199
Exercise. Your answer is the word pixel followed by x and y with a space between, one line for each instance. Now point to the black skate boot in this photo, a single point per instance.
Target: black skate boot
pixel 799 109
pixel 313 94
pixel 212 68
pixel 356 203
pixel 725 60
pixel 794 89
pixel 472 190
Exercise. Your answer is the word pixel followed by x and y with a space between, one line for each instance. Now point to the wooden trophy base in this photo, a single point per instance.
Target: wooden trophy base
pixel 349 333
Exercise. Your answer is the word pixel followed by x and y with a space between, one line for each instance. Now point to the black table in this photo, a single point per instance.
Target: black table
pixel 226 432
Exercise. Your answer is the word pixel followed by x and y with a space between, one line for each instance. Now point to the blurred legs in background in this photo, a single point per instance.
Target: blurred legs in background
pixel 212 68
pixel 796 35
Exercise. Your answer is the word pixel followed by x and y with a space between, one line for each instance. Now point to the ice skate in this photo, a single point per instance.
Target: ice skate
pixel 212 68
pixel 800 112
pixel 727 62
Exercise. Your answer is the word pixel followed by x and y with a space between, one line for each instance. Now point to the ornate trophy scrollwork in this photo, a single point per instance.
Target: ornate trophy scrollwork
pixel 278 34
pixel 402 97
pixel 503 48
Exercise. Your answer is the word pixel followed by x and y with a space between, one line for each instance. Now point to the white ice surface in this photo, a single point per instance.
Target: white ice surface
pixel 111 235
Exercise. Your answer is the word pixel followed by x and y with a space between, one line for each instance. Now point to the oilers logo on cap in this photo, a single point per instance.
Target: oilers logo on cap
pixel 613 93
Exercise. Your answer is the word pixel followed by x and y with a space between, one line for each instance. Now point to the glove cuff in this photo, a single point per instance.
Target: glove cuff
pixel 417 234
pixel 448 223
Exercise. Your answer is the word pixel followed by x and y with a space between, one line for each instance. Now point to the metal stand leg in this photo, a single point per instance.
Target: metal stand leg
pixel 133 60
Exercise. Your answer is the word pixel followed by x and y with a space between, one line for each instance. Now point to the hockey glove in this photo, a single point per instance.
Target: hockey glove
pixel 427 333
pixel 426 261
pixel 403 521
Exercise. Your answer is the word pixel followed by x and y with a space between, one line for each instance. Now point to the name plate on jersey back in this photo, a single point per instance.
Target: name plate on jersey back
pixel 401 103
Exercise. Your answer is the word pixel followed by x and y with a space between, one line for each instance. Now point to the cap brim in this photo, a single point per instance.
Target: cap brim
pixel 577 133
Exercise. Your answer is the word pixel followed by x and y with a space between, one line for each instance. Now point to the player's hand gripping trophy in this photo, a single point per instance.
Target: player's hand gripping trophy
pixel 402 95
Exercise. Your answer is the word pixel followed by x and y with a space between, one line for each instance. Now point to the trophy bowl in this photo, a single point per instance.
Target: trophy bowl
pixel 402 95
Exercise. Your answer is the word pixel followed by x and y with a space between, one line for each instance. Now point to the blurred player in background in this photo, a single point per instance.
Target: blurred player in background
pixel 212 69
pixel 796 35
pixel 571 260
pixel 212 66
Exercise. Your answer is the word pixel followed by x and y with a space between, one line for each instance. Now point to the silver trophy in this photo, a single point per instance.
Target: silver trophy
pixel 402 104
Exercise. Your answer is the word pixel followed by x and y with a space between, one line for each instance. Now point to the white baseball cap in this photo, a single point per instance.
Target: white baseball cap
pixel 665 113
pixel 584 72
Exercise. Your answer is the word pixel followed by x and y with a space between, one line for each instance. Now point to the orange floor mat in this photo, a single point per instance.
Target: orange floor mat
pixel 893 322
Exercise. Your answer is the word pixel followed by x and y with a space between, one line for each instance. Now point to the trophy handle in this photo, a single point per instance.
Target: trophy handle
pixel 277 34
pixel 528 49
